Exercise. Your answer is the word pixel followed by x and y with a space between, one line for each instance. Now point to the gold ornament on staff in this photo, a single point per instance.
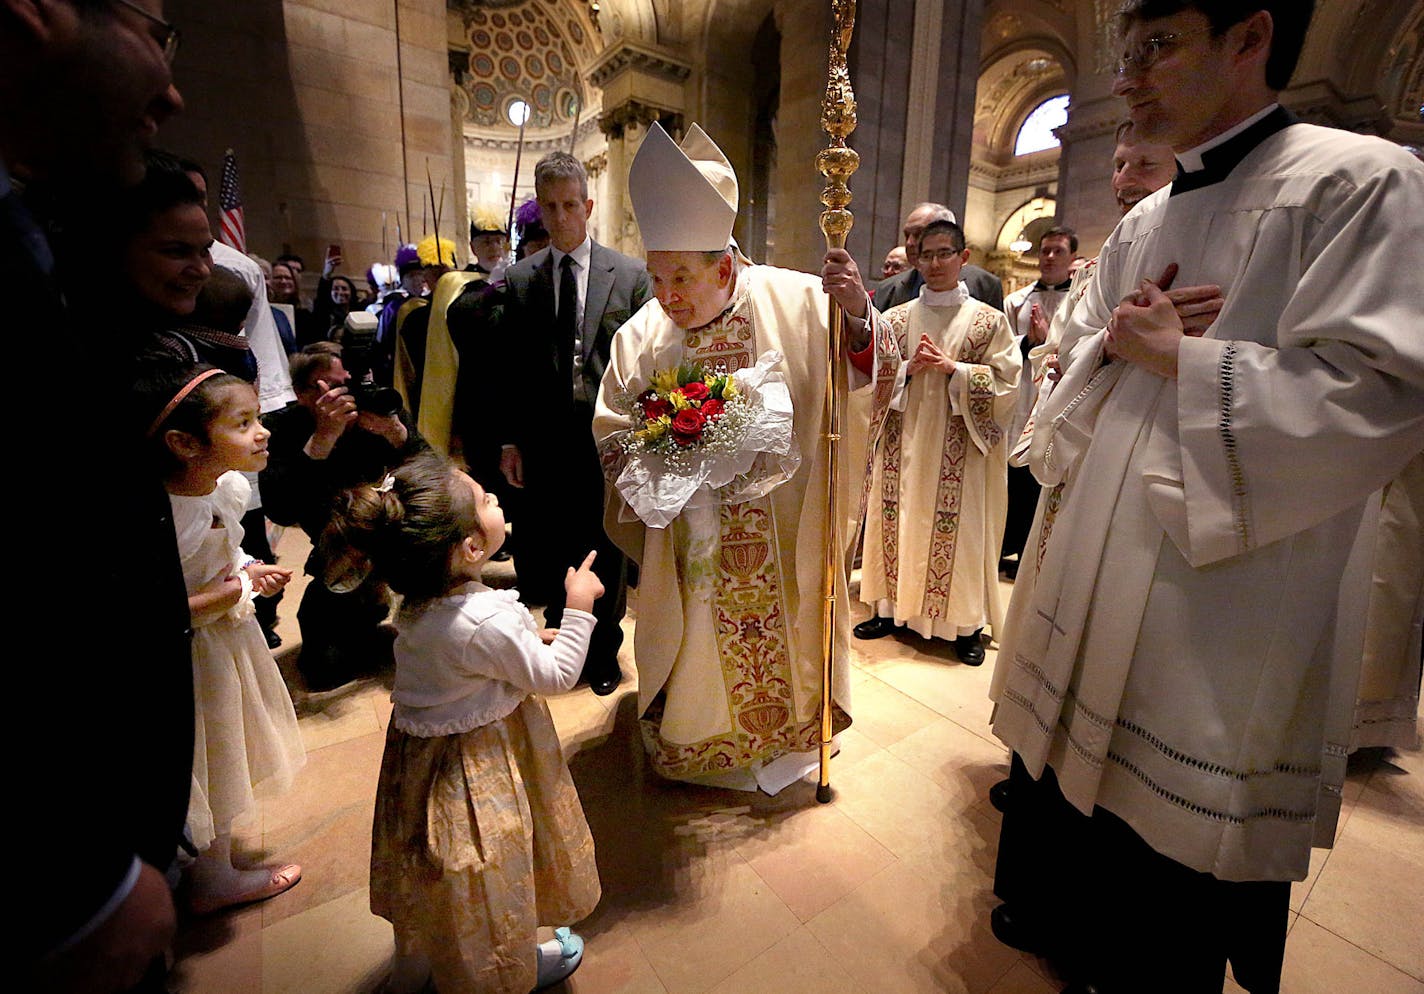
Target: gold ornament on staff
pixel 836 162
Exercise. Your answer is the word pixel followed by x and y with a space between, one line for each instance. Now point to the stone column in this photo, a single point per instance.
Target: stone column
pixel 915 70
pixel 641 84
pixel 460 219
pixel 625 127
pixel 1085 198
pixel 333 110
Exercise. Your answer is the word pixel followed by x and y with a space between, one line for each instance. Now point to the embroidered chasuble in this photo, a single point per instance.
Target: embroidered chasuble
pixel 937 488
pixel 1179 662
pixel 729 636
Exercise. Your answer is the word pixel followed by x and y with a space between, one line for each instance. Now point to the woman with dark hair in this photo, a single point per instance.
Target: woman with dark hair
pixel 335 296
pixel 163 240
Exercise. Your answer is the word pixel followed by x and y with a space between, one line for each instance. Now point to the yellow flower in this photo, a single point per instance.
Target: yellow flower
pixel 665 381
pixel 657 429
pixel 679 401
pixel 730 390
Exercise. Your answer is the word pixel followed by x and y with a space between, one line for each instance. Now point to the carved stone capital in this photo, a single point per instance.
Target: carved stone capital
pixel 635 113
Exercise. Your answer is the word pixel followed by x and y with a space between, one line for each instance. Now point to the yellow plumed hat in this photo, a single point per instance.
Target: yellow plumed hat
pixel 488 219
pixel 425 248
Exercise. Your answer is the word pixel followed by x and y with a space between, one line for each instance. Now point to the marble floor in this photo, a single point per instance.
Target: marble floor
pixel 885 890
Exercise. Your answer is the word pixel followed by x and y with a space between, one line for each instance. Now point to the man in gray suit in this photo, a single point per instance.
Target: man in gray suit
pixel 556 316
pixel 983 285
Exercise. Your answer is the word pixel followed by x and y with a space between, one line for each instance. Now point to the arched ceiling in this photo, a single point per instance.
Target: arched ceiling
pixel 529 50
pixel 1010 25
pixel 1008 89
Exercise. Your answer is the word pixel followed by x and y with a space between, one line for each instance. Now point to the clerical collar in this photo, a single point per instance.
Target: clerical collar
pixel 944 298
pixel 1212 161
pixel 1046 287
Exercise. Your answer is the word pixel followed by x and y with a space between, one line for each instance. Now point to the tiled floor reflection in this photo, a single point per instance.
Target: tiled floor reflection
pixel 885 890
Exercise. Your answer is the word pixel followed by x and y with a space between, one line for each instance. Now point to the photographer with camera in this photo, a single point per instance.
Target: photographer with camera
pixel 342 431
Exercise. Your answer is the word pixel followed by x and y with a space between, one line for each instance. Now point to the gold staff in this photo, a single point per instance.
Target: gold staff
pixel 836 162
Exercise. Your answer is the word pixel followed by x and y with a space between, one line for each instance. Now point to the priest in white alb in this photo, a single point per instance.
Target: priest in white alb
pixel 937 490
pixel 729 637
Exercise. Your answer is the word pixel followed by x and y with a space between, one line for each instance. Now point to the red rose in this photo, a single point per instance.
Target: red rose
pixel 654 406
pixel 712 409
pixel 696 390
pixel 687 426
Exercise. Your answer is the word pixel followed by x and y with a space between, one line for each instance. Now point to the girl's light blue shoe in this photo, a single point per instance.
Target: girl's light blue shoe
pixel 559 958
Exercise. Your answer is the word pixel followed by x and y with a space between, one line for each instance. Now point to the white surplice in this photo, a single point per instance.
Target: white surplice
pixel 1178 666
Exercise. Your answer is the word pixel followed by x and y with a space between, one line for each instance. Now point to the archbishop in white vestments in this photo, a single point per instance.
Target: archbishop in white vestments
pixel 728 643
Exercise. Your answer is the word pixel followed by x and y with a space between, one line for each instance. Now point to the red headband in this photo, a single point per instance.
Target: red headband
pixel 178 399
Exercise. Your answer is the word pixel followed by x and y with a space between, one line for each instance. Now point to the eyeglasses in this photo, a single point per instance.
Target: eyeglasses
pixel 1145 56
pixel 939 255
pixel 164 33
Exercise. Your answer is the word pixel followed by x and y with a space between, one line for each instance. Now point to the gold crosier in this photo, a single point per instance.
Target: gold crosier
pixel 836 162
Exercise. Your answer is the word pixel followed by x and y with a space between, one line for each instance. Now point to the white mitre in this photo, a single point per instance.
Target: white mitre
pixel 685 198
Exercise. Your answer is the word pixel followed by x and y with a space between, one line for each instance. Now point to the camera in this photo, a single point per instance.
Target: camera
pixel 358 353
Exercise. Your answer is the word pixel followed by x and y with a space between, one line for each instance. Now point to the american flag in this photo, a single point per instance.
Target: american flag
pixel 232 231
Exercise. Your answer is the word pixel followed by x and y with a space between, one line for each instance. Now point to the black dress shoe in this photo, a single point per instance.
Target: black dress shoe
pixel 1013 932
pixel 999 795
pixel 970 649
pixel 605 684
pixel 1010 568
pixel 274 641
pixel 602 675
pixel 876 628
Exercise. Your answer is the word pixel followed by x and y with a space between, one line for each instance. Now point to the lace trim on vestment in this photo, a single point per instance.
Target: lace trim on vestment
pixel 1090 759
pixel 1239 498
pixel 1275 814
pixel 1170 752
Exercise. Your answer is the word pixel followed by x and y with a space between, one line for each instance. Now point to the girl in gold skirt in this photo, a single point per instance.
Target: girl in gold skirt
pixel 479 837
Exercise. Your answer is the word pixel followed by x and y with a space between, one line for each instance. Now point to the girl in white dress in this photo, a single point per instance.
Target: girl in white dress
pixel 479 837
pixel 204 432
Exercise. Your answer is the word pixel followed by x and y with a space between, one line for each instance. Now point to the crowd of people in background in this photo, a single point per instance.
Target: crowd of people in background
pixel 224 394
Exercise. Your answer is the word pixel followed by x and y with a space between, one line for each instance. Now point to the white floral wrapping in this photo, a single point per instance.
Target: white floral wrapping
pixel 765 457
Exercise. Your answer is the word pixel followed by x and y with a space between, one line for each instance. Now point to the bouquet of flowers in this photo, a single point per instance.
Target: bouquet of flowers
pixel 701 437
pixel 685 408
